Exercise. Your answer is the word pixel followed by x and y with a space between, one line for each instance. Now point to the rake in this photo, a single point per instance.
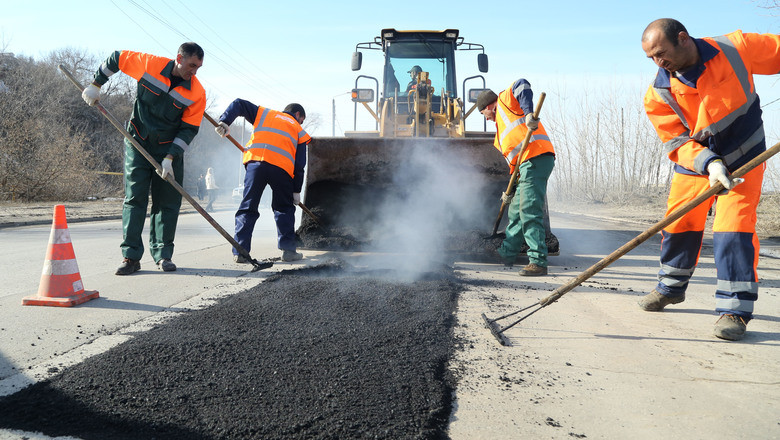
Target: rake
pixel 498 331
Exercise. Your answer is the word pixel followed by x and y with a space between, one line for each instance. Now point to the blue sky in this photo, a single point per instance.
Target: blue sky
pixel 273 53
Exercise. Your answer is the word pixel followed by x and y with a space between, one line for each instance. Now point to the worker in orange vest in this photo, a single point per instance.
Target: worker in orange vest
pixel 275 156
pixel 512 110
pixel 705 109
pixel 167 112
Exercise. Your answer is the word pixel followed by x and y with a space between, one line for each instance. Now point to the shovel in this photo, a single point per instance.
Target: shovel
pixel 235 142
pixel 510 188
pixel 256 265
pixel 498 331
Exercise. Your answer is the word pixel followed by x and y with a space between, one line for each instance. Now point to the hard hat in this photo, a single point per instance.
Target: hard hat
pixel 415 70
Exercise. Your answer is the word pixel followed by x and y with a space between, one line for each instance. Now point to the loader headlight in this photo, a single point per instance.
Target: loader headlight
pixel 362 95
pixel 474 93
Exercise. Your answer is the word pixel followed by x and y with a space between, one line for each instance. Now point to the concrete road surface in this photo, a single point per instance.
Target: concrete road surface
pixel 592 365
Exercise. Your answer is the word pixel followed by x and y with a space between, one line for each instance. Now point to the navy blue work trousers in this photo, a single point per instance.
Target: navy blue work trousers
pixel 258 176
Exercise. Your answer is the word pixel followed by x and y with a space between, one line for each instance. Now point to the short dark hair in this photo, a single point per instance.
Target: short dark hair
pixel 295 108
pixel 189 49
pixel 670 27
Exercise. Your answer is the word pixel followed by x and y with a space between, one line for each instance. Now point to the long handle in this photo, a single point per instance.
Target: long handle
pixel 231 138
pixel 303 207
pixel 510 187
pixel 611 258
pixel 168 178
pixel 676 214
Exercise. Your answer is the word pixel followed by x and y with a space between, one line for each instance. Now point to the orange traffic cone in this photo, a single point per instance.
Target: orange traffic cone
pixel 60 281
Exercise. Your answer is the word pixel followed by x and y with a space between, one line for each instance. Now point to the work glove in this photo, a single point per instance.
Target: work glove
pixel 507 198
pixel 222 129
pixel 531 122
pixel 167 168
pixel 719 173
pixel 296 198
pixel 91 94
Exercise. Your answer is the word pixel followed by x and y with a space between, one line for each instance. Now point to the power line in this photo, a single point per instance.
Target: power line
pixel 239 53
pixel 251 82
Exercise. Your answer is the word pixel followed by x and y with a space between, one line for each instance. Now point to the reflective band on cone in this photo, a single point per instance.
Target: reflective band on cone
pixel 60 280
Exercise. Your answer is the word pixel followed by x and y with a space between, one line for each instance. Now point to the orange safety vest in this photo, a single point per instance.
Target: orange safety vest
pixel 162 107
pixel 511 131
pixel 688 119
pixel 275 139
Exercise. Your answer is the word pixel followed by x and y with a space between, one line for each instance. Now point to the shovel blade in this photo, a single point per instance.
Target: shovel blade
pixel 258 265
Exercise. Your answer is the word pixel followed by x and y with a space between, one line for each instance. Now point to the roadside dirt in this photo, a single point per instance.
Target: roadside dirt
pixel 22 214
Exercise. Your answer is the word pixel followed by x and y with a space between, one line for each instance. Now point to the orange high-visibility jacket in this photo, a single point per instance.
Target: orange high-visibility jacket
pixel 275 139
pixel 511 131
pixel 160 116
pixel 720 118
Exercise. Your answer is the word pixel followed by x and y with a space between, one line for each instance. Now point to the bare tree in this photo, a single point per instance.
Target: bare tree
pixel 52 144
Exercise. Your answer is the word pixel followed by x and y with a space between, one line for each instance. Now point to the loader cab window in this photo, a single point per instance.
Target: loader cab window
pixel 434 57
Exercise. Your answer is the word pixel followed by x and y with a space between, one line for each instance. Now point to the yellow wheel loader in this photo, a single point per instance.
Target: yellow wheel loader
pixel 419 181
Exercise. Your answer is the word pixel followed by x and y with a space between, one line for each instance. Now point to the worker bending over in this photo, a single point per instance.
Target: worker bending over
pixel 512 110
pixel 166 116
pixel 705 109
pixel 275 156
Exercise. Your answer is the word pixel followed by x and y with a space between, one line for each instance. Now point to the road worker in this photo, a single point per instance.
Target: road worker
pixel 512 110
pixel 705 109
pixel 167 112
pixel 275 156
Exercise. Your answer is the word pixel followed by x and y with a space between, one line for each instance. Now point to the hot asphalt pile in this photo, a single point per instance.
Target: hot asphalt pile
pixel 327 352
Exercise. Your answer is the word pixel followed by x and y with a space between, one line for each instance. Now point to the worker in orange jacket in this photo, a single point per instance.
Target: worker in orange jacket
pixel 275 156
pixel 705 109
pixel 167 112
pixel 512 110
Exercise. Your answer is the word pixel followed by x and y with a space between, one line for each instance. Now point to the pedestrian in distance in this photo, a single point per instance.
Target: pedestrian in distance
pixel 201 187
pixel 512 111
pixel 704 107
pixel 275 156
pixel 211 189
pixel 167 113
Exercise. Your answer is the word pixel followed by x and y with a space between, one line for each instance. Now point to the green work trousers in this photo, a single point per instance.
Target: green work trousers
pixel 526 212
pixel 141 178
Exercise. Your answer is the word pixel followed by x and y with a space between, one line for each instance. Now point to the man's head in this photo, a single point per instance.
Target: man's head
pixel 188 60
pixel 296 111
pixel 414 71
pixel 486 104
pixel 667 43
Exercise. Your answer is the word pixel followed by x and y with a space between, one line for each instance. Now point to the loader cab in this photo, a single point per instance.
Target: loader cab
pixel 432 53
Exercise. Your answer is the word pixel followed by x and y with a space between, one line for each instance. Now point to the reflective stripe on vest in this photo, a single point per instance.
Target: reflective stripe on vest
pixel 738 66
pixel 510 123
pixel 282 154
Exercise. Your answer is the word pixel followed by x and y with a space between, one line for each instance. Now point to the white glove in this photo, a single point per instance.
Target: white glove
pixel 507 198
pixel 296 198
pixel 167 168
pixel 719 173
pixel 531 122
pixel 91 94
pixel 222 129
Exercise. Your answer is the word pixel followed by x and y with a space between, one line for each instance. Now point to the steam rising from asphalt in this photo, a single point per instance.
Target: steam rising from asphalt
pixel 438 191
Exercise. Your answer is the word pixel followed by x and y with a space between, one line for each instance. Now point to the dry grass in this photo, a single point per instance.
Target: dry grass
pixel 648 210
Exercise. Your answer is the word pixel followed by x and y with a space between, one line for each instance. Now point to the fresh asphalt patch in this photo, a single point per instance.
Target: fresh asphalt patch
pixel 326 352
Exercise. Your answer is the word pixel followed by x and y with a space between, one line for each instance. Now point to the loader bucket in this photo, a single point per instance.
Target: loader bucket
pixel 437 195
